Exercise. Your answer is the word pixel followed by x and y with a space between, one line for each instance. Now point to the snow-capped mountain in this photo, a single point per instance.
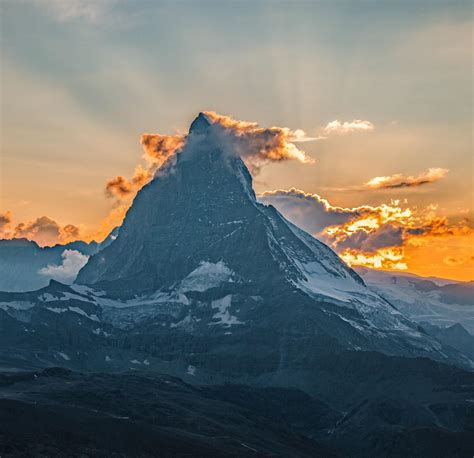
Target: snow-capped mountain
pixel 204 282
pixel 439 302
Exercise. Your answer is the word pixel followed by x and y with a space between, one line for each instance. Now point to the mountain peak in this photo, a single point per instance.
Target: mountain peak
pixel 205 211
pixel 200 124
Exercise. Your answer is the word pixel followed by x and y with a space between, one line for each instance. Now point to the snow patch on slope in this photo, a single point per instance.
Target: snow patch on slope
pixel 16 305
pixel 207 275
pixel 223 315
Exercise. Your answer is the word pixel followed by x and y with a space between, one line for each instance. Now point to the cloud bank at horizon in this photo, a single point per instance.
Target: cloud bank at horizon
pixel 43 230
pixel 372 236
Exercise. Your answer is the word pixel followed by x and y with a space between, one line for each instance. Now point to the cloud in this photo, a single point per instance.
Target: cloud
pixel 458 260
pixel 67 271
pixel 315 214
pixel 259 145
pixel 121 188
pixel 69 233
pixel 347 127
pixel 300 136
pixel 158 148
pixel 400 181
pixel 364 235
pixel 375 236
pixel 388 258
pixel 256 145
pixel 6 220
pixel 43 230
pixel 311 212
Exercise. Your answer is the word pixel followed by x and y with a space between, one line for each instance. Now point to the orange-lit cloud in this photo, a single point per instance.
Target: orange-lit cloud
pixel 400 181
pixel 256 145
pixel 259 145
pixel 69 232
pixel 6 221
pixel 458 260
pixel 43 230
pixel 386 258
pixel 347 127
pixel 373 236
pixel 314 213
pixel 159 147
pixel 120 187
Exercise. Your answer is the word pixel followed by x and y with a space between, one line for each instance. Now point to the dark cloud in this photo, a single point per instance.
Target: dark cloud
pixel 311 212
pixel 388 235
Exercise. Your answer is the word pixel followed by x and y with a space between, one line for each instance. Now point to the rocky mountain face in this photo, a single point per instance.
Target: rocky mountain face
pixel 206 284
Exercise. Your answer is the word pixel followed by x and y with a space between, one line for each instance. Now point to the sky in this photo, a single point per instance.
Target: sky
pixel 377 95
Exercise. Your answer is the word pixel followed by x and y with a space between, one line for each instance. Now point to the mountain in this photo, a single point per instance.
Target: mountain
pixel 24 264
pixel 439 302
pixel 202 209
pixel 203 275
pixel 197 240
pixel 210 305
pixel 455 336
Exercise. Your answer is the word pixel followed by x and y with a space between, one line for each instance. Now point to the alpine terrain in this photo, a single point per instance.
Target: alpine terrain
pixel 209 304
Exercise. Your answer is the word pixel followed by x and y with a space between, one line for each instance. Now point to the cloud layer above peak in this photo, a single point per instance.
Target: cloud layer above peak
pixel 256 145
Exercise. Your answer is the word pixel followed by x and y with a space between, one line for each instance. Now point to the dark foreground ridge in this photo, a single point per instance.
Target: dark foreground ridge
pixel 46 413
